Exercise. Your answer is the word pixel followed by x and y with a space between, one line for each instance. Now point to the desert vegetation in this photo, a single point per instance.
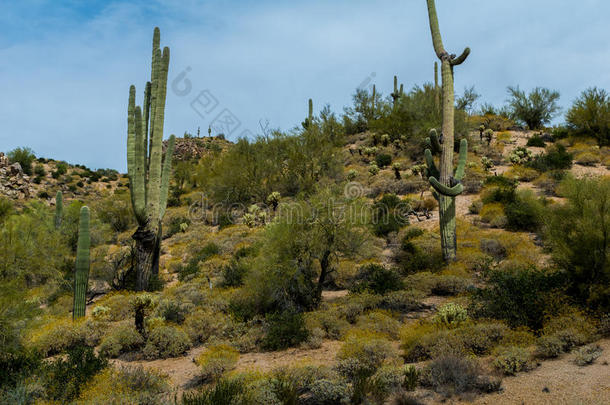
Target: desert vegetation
pixel 411 249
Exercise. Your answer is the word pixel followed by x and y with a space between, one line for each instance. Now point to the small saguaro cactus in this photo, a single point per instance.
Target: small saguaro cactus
pixel 81 273
pixel 446 183
pixel 309 118
pixel 397 93
pixel 59 209
pixel 148 174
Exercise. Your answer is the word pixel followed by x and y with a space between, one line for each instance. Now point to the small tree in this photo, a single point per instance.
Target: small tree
pixel 536 109
pixel 590 115
pixel 23 156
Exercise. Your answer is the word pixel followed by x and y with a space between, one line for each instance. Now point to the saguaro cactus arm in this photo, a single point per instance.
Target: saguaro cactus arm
pixel 432 169
pixel 461 167
pixel 167 172
pixel 446 190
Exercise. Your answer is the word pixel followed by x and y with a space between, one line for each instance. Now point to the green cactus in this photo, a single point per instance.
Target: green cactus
pixel 309 118
pixel 81 274
pixel 59 209
pixel 373 100
pixel 397 93
pixel 148 174
pixel 446 183
pixel 437 93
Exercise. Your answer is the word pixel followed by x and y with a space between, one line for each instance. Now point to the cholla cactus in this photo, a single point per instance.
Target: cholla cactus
pixel 488 134
pixel 274 199
pixel 487 163
pixel 520 156
pixel 141 303
pixel 444 180
pixel 451 315
pixel 249 219
pixel 373 169
pixel 397 167
pixel 352 174
pixel 385 139
pixel 481 131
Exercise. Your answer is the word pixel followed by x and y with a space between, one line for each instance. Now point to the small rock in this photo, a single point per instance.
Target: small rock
pixel 545 389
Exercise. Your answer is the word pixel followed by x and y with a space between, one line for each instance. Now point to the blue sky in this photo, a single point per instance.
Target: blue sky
pixel 65 66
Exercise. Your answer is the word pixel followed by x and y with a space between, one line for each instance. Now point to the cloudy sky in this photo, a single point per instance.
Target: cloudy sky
pixel 66 65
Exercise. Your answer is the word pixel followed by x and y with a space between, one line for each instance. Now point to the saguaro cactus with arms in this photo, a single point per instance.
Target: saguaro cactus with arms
pixel 446 184
pixel 148 174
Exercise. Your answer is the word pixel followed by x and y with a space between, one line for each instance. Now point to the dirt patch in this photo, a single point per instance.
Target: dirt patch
pixel 565 382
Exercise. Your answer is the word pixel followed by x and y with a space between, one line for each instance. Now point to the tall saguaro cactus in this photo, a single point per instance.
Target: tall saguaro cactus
pixel 81 273
pixel 443 180
pixel 148 174
pixel 59 209
pixel 437 93
pixel 309 118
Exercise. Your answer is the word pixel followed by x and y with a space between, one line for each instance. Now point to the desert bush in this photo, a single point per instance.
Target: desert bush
pixel 233 273
pixel 192 266
pixel 411 377
pixel 576 231
pixel 536 109
pixel 450 375
pixel 24 156
pixel 512 360
pixel 327 392
pixel 166 341
pixel 499 189
pixel 389 214
pixel 587 159
pixel 587 355
pixel 437 284
pixel 536 141
pixel 173 310
pixel 6 208
pixel 118 304
pixel 450 315
pixel 379 321
pixel 56 336
pixel 386 381
pixel 401 301
pixel 116 211
pixel 64 378
pixel 126 385
pixel 376 278
pixel 522 173
pixel 419 252
pixel 590 115
pixel 519 296
pixel 493 214
pixel 493 248
pixel 362 353
pixel 525 213
pixel 119 340
pixel 217 360
pixel 556 157
pixel 549 181
pixel 201 325
pixel 225 391
pixel 285 329
pixel 549 347
pixel 383 160
pixel 334 327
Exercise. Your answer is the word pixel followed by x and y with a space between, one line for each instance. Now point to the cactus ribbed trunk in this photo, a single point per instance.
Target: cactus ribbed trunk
pixel 148 173
pixel 81 273
pixel 446 184
pixel 59 209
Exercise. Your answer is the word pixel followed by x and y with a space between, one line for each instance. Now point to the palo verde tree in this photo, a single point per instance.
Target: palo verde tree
pixel 148 174
pixel 446 184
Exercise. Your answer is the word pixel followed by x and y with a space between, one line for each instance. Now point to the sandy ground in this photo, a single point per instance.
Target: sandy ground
pixel 566 383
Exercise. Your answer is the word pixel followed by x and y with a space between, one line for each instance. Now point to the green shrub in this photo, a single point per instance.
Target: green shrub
pixel 166 341
pixel 201 325
pixel 587 355
pixel 233 274
pixel 401 301
pixel 451 375
pixel 126 385
pixel 549 347
pixel 25 157
pixel 512 360
pixel 499 189
pixel 173 311
pixel 535 109
pixel 192 266
pixel 379 321
pixel 64 378
pixel 286 329
pixel 327 392
pixel 386 381
pixel 362 353
pixel 493 248
pixel 389 214
pixel 333 326
pixel 383 160
pixel 524 213
pixel 520 296
pixel 411 377
pixel 376 278
pixel 225 391
pixel 119 340
pixel 6 208
pixel 555 158
pixel 536 141
pixel 590 115
pixel 217 360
